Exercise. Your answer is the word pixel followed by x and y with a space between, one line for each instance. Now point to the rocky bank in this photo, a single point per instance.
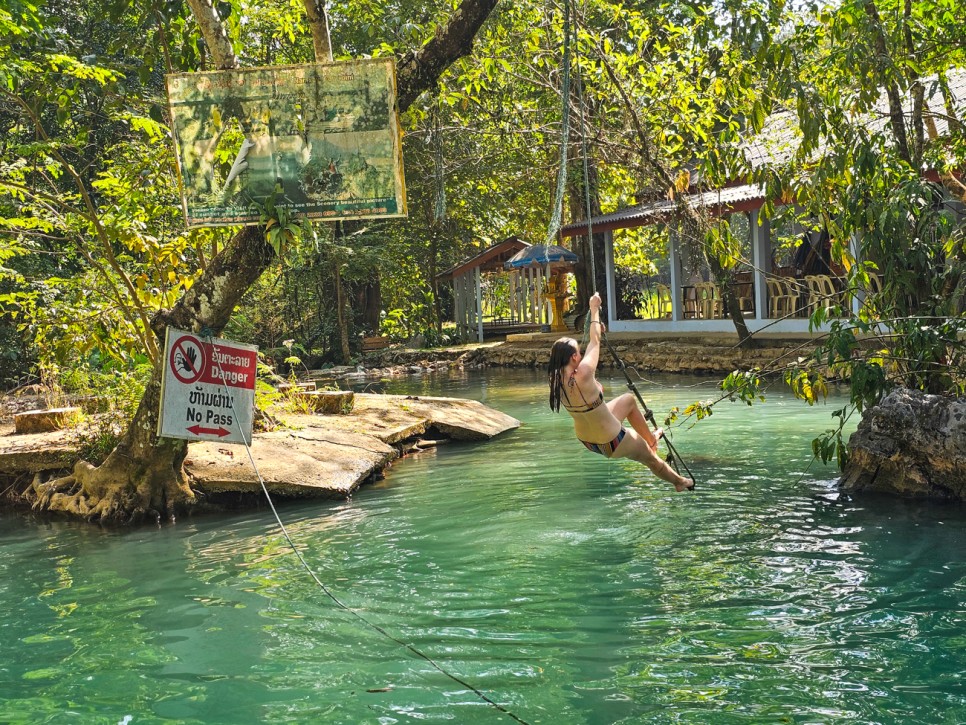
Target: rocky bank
pixel 911 444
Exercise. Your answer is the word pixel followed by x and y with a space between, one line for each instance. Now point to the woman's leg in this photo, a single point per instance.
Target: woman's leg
pixel 637 449
pixel 624 407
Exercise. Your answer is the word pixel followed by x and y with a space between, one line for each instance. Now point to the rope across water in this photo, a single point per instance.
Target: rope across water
pixel 338 602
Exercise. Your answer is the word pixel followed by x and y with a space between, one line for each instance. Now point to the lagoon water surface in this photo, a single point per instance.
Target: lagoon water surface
pixel 567 588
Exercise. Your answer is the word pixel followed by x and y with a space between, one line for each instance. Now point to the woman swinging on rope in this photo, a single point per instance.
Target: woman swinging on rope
pixel 598 424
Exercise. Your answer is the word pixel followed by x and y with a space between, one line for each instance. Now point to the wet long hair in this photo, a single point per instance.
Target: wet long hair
pixel 560 354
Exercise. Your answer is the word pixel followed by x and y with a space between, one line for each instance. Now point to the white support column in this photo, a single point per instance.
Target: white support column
pixel 514 317
pixel 761 259
pixel 538 293
pixel 533 295
pixel 465 306
pixel 468 305
pixel 674 257
pixel 524 295
pixel 609 275
pixel 457 307
pixel 479 305
pixel 547 302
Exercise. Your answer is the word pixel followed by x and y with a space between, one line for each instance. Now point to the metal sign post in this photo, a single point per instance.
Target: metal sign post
pixel 207 389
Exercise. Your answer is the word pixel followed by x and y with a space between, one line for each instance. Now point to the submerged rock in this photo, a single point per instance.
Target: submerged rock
pixel 911 444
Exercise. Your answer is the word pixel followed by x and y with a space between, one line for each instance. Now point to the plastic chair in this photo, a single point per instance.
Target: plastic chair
pixel 829 291
pixel 815 292
pixel 793 290
pixel 692 305
pixel 709 300
pixel 872 295
pixel 744 289
pixel 704 297
pixel 663 302
pixel 777 299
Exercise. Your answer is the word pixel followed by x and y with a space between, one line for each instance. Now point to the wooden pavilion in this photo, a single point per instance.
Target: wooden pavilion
pixel 491 300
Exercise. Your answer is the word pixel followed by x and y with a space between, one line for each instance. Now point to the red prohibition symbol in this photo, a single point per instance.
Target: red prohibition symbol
pixel 187 359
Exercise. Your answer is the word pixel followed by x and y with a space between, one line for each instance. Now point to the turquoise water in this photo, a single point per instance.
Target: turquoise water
pixel 568 588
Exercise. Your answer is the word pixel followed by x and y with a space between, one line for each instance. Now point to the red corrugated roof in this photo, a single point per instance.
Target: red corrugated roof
pixel 490 259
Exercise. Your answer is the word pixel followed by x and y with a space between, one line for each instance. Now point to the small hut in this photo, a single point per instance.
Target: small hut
pixel 491 299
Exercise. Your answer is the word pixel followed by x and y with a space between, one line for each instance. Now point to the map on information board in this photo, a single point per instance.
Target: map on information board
pixel 323 138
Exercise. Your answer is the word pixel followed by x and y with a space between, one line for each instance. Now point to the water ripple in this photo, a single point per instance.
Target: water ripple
pixel 569 588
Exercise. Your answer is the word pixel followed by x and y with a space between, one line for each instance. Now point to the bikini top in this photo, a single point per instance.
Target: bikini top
pixel 586 407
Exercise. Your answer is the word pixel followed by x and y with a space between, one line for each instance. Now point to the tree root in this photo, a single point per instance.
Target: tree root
pixel 118 491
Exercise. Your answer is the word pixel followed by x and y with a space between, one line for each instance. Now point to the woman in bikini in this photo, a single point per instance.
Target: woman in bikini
pixel 599 424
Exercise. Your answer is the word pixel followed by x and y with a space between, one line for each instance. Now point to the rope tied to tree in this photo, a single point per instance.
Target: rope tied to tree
pixel 673 457
pixel 557 213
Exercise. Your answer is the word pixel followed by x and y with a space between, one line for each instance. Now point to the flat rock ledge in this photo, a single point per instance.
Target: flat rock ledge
pixel 313 456
pixel 911 444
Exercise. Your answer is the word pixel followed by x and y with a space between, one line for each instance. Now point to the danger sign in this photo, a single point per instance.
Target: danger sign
pixel 207 388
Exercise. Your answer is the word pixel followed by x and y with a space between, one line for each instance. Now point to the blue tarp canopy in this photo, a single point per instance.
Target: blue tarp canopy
pixel 537 255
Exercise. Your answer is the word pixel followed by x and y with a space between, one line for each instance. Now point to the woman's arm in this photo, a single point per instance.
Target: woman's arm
pixel 588 365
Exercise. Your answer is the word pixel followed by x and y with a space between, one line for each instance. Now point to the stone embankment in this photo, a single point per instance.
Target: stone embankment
pixel 707 355
pixel 308 456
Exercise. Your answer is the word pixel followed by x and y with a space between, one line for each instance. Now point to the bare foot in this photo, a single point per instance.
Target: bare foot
pixel 686 485
pixel 658 435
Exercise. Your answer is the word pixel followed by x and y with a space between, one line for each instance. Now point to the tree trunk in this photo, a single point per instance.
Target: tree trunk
pixel 724 279
pixel 219 46
pixel 419 70
pixel 340 316
pixel 143 475
pixel 318 22
pixel 370 303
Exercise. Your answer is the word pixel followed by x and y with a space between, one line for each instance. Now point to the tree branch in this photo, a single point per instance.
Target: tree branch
pixel 213 31
pixel 419 70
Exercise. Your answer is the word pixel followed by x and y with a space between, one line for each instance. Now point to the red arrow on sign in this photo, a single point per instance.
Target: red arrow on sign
pixel 199 430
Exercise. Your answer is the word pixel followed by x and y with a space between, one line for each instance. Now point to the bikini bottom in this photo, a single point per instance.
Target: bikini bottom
pixel 606 449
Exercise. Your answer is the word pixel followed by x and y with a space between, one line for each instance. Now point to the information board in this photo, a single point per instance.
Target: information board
pixel 207 389
pixel 324 138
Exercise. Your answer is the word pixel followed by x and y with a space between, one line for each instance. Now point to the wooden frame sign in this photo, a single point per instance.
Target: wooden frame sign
pixel 323 138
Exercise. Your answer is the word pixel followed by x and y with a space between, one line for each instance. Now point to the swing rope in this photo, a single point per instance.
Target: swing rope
pixel 673 458
pixel 557 214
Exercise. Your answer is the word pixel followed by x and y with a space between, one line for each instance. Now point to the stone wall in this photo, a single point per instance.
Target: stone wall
pixel 665 355
pixel 700 357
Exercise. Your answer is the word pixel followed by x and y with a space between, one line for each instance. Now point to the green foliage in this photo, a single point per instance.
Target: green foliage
pixel 89 231
pixel 111 394
pixel 808 385
pixel 282 229
pixel 416 320
pixel 744 386
pixel 831 445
